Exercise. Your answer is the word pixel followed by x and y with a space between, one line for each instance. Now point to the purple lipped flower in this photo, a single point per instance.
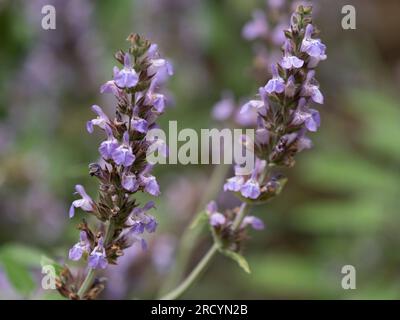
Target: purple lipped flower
pixel 140 221
pixel 223 109
pixel 276 84
pixel 291 62
pixel 254 222
pixel 216 218
pixel 313 47
pixel 258 105
pixel 257 27
pixel 150 185
pixel 139 124
pixel 123 155
pixel 86 203
pixel 129 182
pixel 251 188
pixel 98 258
pixel 158 102
pixel 108 146
pixel 309 117
pixel 101 121
pixel 127 76
pixel 110 87
pixel 234 184
pixel 312 90
pixel 76 252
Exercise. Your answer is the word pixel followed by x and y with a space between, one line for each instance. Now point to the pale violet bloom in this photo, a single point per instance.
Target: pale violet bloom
pixel 251 189
pixel 139 124
pixel 98 258
pixel 216 218
pixel 129 182
pixel 276 84
pixel 108 146
pixel 257 27
pixel 127 76
pixel 234 184
pixel 313 47
pixel 123 155
pixel 254 222
pixel 85 203
pixel 83 246
pixel 258 105
pixel 150 185
pixel 101 121
pixel 223 109
pixel 312 90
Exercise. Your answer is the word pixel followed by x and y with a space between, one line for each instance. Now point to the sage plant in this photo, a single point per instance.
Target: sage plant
pixel 123 169
pixel 284 117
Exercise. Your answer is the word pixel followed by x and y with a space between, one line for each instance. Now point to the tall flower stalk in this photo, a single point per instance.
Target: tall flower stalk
pixel 284 117
pixel 123 169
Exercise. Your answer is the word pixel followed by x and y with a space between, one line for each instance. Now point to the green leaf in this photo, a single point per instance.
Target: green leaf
pixel 200 218
pixel 21 254
pixel 242 262
pixel 18 275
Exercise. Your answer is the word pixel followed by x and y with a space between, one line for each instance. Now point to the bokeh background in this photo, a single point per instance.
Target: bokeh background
pixel 340 207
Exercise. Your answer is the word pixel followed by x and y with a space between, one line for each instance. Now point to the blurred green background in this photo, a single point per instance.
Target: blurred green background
pixel 340 207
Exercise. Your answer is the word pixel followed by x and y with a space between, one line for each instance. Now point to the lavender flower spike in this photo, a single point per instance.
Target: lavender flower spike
pixel 119 175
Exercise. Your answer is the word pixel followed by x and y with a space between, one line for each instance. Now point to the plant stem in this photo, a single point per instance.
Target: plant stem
pixel 176 293
pixel 87 283
pixel 191 236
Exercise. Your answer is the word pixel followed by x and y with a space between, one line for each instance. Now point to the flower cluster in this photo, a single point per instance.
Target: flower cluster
pixel 283 119
pixel 123 169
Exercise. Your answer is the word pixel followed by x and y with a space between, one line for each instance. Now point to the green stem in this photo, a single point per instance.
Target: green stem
pixel 87 283
pixel 201 266
pixel 190 236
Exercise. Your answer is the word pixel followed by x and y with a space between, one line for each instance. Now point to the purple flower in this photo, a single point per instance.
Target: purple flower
pixel 86 203
pixel 216 218
pixel 140 221
pixel 223 109
pixel 276 84
pixel 129 182
pixel 98 258
pixel 312 90
pixel 158 101
pixel 110 87
pixel 102 119
pixel 76 252
pixel 313 47
pixel 140 125
pixel 309 117
pixel 258 105
pixel 256 28
pixel 251 189
pixel 291 62
pixel 123 155
pixel 256 223
pixel 150 185
pixel 126 77
pixel 108 146
pixel 234 184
